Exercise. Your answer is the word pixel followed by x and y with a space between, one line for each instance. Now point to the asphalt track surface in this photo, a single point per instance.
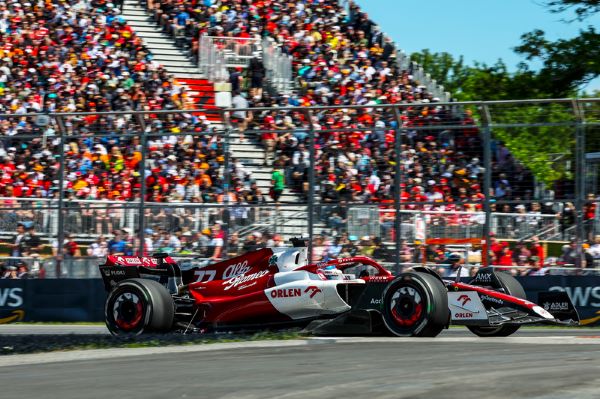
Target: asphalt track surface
pixel 534 363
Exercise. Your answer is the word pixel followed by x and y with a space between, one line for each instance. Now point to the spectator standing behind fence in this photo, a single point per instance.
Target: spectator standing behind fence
pixel 595 250
pixel 257 76
pixel 99 248
pixel 18 241
pixel 239 118
pixel 278 182
pixel 70 247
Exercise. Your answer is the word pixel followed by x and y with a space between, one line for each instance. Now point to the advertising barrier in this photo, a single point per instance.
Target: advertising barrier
pixel 66 300
pixel 584 292
pixel 75 300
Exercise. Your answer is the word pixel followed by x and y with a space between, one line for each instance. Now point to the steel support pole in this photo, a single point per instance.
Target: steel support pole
pixel 579 181
pixel 226 184
pixel 311 184
pixel 397 183
pixel 143 188
pixel 61 197
pixel 487 179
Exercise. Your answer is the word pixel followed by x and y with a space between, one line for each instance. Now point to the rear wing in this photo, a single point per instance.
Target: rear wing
pixel 160 267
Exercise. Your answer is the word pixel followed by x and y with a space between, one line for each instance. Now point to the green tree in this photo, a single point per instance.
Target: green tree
pixel 566 65
pixel 582 8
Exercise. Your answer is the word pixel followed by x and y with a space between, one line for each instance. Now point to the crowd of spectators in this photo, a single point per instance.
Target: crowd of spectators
pixel 81 56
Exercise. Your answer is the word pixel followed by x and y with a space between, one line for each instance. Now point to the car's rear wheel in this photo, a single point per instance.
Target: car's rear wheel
pixel 415 304
pixel 511 287
pixel 138 306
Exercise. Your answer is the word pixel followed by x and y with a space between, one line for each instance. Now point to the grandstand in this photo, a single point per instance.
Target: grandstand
pixel 151 56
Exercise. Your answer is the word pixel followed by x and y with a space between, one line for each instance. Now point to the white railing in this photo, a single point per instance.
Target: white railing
pixel 278 67
pixel 515 226
pixel 231 51
pixel 211 61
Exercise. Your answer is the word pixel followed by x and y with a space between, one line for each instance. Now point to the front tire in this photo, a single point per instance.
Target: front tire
pixel 138 306
pixel 511 287
pixel 415 304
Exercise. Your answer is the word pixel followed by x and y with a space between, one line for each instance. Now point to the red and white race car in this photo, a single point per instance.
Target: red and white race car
pixel 271 288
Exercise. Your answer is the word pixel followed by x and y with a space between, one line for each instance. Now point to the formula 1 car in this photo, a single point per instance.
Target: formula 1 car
pixel 276 288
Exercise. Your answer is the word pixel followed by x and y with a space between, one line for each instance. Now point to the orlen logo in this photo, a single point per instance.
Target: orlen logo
pixel 463 315
pixel 313 289
pixel 11 297
pixel 464 299
pixel 286 293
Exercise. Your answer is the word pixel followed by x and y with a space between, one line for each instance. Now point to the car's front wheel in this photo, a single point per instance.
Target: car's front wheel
pixel 415 304
pixel 138 306
pixel 511 287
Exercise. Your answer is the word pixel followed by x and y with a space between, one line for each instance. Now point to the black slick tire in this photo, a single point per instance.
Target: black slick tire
pixel 137 306
pixel 511 287
pixel 415 304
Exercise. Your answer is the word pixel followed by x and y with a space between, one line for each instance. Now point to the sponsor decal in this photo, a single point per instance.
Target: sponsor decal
pixel 378 279
pixel 236 269
pixel 591 320
pixel 17 315
pixel 313 289
pixel 241 279
pixel 286 293
pixel 273 260
pixel 581 296
pixel 556 306
pixel 11 297
pixel 376 301
pixel 492 299
pixel 464 299
pixel 113 272
pixel 149 261
pixel 483 277
pixel 463 315
pixel 129 260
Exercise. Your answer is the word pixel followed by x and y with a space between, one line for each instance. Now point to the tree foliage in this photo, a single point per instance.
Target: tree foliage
pixel 582 8
pixel 566 65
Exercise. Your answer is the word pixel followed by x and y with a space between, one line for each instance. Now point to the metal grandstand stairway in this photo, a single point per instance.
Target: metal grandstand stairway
pixel 200 94
pixel 162 46
pixel 288 221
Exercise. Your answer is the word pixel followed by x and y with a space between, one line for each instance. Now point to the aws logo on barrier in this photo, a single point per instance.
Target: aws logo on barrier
pixel 10 300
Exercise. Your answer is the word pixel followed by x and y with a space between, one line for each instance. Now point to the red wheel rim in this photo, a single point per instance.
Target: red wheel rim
pixel 406 306
pixel 127 311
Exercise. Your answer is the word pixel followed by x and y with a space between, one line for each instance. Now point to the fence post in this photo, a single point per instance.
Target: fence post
pixel 579 180
pixel 487 178
pixel 311 184
pixel 226 182
pixel 61 196
pixel 397 182
pixel 142 172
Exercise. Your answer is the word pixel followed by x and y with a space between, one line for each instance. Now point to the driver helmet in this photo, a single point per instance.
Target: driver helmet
pixel 332 273
pixel 454 257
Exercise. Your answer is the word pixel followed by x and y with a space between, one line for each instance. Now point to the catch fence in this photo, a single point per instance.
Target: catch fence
pixel 374 179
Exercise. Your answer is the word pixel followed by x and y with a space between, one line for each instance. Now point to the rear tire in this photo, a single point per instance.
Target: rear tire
pixel 511 287
pixel 415 304
pixel 138 306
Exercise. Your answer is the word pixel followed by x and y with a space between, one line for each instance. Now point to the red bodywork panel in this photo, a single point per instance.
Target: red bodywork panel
pixel 233 290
